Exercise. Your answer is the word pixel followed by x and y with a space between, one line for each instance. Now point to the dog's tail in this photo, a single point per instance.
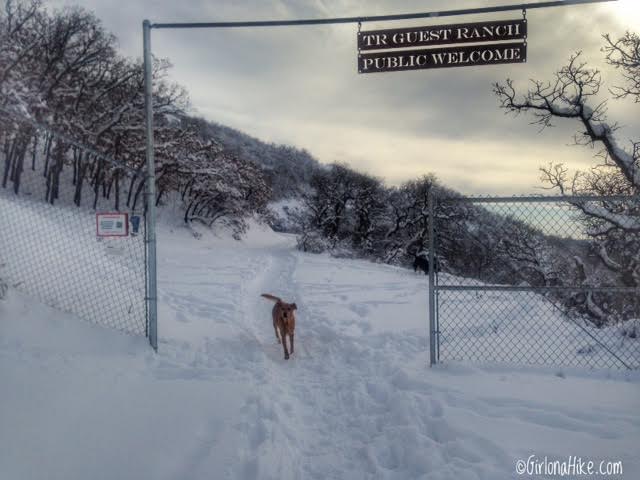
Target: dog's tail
pixel 271 297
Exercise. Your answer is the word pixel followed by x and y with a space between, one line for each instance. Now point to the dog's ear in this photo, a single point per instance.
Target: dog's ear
pixel 294 306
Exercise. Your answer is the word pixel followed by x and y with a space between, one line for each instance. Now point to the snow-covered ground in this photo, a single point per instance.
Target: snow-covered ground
pixel 355 401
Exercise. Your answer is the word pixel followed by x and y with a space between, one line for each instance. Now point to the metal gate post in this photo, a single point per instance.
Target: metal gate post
pixel 152 285
pixel 432 296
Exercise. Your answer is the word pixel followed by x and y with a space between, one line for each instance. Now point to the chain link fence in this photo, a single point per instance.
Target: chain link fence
pixel 51 191
pixel 549 281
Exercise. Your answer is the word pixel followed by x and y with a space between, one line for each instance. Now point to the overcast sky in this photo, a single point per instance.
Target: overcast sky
pixel 300 86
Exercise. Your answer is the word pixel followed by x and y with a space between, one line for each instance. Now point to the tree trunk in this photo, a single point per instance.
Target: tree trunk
pixel 57 170
pixel 116 180
pixel 18 165
pixel 33 152
pixel 76 156
pixel 56 178
pixel 131 184
pixel 96 184
pixel 82 170
pixel 53 174
pixel 138 190
pixel 47 154
pixel 192 203
pixel 49 181
pixel 186 212
pixel 7 167
pixel 15 154
pixel 187 187
pixel 7 163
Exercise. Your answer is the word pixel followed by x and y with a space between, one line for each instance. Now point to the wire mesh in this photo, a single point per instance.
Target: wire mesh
pixel 50 191
pixel 549 281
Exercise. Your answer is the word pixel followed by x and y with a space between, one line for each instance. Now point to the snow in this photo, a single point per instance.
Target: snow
pixel 283 211
pixel 356 400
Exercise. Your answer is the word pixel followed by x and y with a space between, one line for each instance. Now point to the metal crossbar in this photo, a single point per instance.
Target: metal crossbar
pixel 543 288
pixel 377 18
pixel 546 199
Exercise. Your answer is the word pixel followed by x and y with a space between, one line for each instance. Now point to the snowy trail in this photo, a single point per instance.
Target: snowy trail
pixel 270 445
pixel 359 414
pixel 355 401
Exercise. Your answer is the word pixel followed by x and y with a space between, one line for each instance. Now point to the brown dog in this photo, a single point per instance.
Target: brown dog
pixel 284 321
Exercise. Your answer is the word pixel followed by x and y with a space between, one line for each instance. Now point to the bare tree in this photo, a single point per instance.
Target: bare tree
pixel 568 96
pixel 613 225
pixel 624 54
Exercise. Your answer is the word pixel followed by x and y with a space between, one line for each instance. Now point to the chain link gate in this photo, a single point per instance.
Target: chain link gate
pixel 549 281
pixel 51 188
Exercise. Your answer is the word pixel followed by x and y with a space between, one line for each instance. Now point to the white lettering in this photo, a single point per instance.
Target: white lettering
pixel 438 58
pixel 463 33
pixel 488 31
pixel 517 30
pixel 375 39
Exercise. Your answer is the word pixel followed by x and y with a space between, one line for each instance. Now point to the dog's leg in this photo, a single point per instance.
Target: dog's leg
pixel 275 325
pixel 276 329
pixel 284 345
pixel 291 340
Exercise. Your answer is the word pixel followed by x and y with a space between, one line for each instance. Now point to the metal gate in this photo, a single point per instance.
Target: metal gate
pixel 536 281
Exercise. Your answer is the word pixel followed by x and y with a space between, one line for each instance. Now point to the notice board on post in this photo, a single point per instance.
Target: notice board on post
pixel 112 224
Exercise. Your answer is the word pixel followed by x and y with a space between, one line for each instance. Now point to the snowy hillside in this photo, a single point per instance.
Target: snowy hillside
pixel 355 401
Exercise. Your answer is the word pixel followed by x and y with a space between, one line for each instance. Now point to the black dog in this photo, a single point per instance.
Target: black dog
pixel 422 263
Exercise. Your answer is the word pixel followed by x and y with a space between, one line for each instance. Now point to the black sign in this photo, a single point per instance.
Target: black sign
pixel 463 56
pixel 442 35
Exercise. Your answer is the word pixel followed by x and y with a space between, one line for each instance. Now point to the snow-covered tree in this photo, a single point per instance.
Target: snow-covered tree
pixel 63 85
